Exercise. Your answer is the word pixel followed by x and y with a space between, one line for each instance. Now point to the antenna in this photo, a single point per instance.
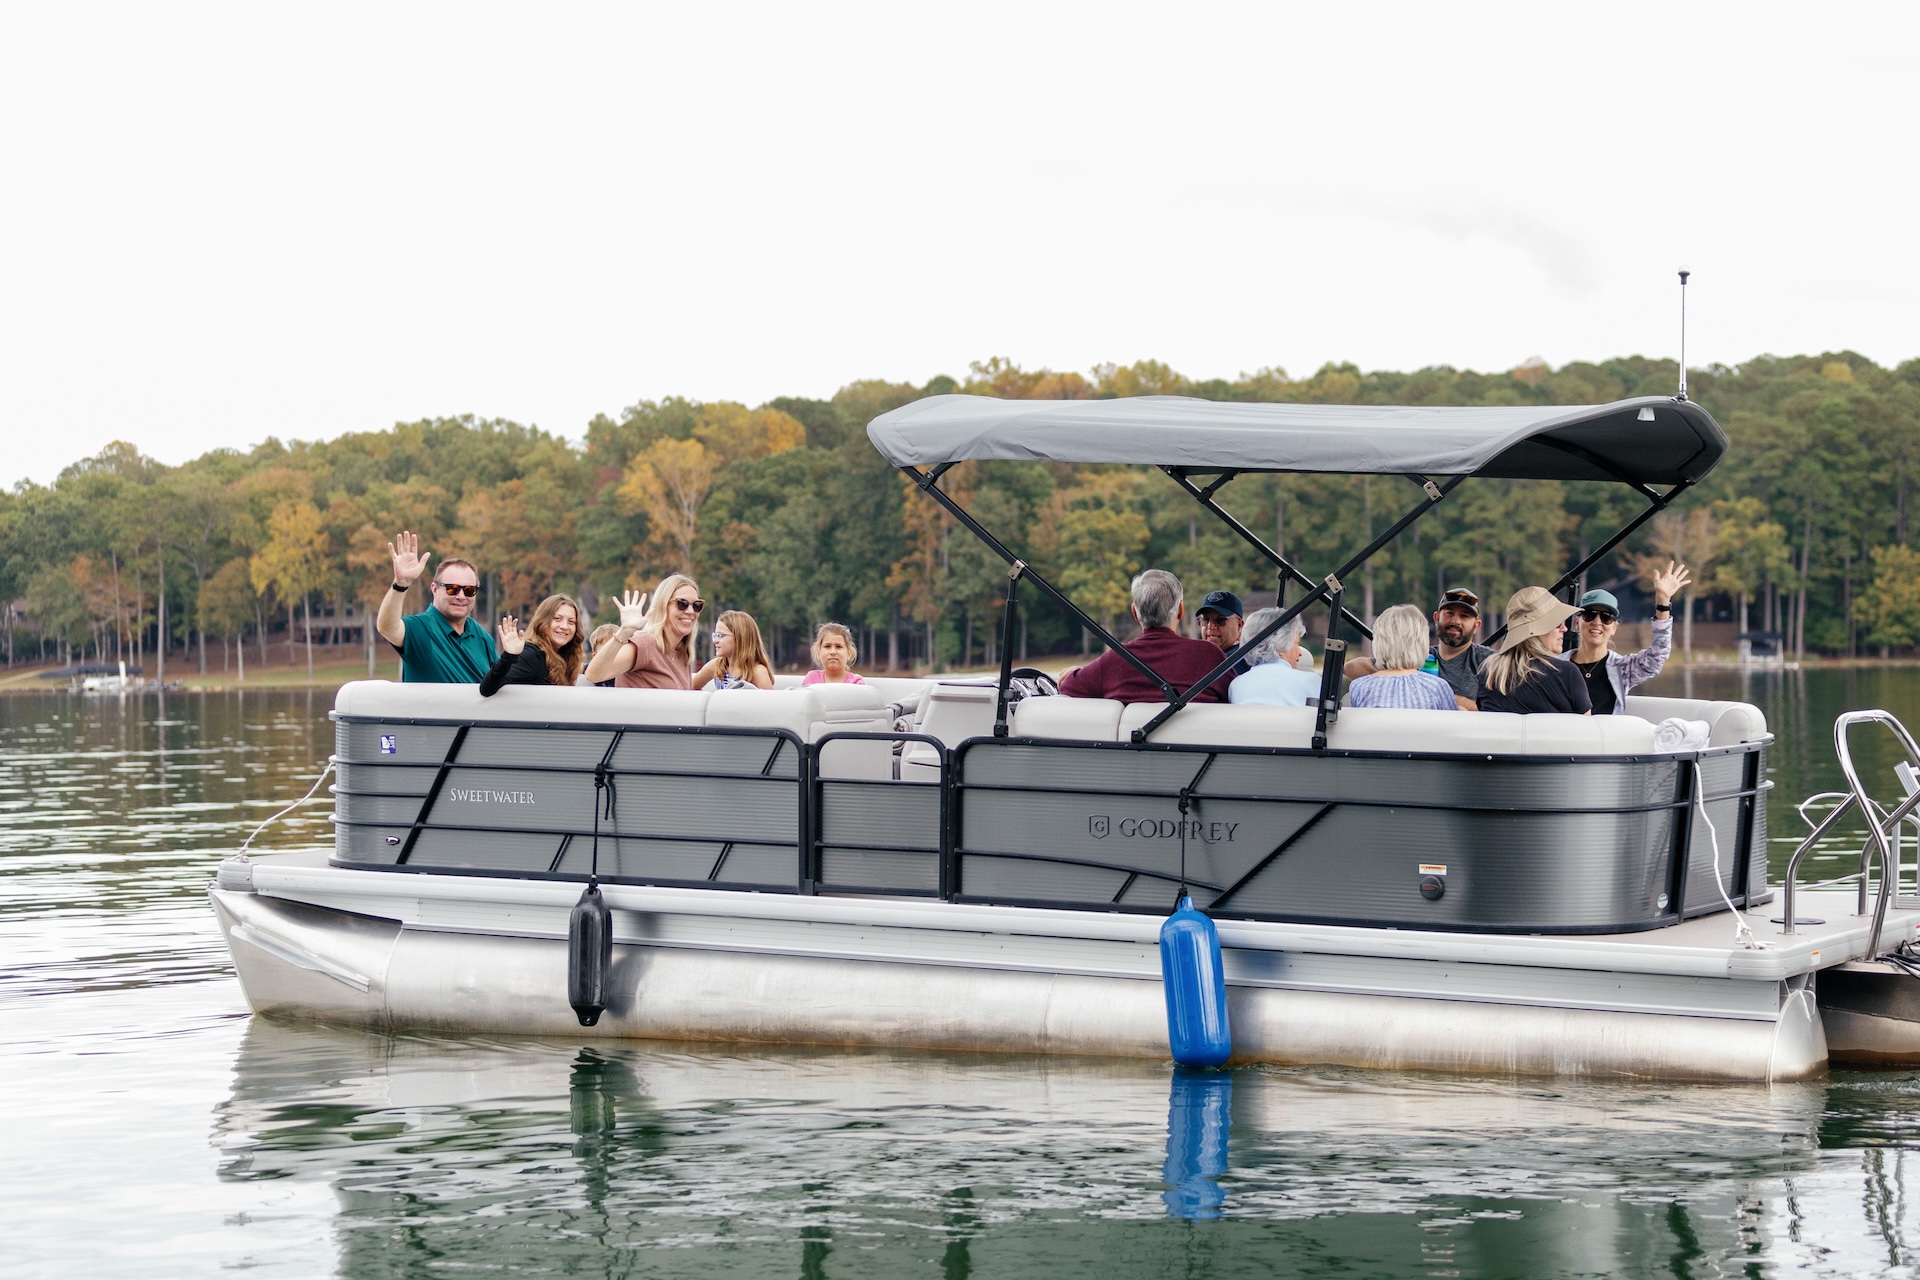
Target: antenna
pixel 1684 273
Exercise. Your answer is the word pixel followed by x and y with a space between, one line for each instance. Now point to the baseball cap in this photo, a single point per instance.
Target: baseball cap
pixel 1601 600
pixel 1224 603
pixel 1461 598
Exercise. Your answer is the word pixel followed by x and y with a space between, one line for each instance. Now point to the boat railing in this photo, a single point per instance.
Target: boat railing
pixel 1883 824
pixel 1463 839
pixel 873 831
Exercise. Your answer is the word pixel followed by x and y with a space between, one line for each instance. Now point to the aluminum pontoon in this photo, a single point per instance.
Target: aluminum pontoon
pixel 947 865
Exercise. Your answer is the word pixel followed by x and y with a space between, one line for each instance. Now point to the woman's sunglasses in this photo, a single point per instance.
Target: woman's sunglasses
pixel 691 606
pixel 458 589
pixel 1596 615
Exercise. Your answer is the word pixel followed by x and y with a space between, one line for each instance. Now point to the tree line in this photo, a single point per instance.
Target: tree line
pixel 786 511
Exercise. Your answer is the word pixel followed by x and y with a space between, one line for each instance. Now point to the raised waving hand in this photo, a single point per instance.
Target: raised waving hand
pixel 511 641
pixel 1671 583
pixel 409 561
pixel 633 610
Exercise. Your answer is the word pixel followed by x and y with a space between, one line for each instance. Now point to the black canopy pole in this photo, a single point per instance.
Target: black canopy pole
pixel 1660 503
pixel 1006 648
pixel 1288 570
pixel 1329 588
pixel 926 482
pixel 1332 668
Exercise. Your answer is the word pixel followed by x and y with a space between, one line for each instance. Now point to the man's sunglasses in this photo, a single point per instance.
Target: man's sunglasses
pixel 1597 615
pixel 691 606
pixel 457 589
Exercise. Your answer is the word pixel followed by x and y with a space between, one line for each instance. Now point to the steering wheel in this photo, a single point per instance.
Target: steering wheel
pixel 1044 683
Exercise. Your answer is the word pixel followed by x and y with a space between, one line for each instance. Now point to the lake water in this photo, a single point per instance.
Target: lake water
pixel 154 1128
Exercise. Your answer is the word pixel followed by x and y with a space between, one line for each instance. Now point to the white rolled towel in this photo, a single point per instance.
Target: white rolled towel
pixel 1676 734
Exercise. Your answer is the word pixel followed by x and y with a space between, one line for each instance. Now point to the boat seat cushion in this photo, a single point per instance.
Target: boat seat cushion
pixel 384 699
pixel 1357 729
pixel 1728 723
pixel 807 712
pixel 1497 733
pixel 1072 719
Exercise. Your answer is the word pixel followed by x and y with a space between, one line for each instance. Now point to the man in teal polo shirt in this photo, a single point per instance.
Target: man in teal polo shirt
pixel 441 645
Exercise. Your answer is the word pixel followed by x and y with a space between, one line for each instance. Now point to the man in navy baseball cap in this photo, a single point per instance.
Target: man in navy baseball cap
pixel 1221 616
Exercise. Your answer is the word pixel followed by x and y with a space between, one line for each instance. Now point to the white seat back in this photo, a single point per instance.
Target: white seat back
pixel 956 712
pixel 1069 719
pixel 539 703
pixel 1728 723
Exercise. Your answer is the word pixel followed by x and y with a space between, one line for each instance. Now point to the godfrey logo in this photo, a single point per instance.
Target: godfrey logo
pixel 1100 826
pixel 491 797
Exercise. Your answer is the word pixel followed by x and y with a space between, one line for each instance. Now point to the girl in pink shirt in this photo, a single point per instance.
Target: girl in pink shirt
pixel 833 654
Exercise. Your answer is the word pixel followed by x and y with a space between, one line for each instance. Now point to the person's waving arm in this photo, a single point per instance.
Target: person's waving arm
pixel 617 655
pixel 409 562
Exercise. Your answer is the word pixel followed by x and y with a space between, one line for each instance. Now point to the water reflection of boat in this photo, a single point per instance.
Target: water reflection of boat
pixel 562 1155
pixel 941 866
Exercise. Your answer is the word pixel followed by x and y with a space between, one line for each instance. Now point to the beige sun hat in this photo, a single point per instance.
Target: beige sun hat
pixel 1533 611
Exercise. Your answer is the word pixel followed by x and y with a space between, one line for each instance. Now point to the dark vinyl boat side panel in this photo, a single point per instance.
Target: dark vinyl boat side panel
pixel 1503 843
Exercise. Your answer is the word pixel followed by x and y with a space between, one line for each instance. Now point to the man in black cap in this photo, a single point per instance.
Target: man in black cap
pixel 1454 656
pixel 1221 617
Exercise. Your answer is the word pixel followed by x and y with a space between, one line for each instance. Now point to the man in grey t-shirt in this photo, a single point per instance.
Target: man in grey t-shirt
pixel 1456 658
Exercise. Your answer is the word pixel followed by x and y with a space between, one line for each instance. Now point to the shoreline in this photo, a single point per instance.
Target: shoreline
pixel 332 675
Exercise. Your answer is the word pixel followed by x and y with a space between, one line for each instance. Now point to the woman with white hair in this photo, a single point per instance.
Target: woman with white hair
pixel 1271 679
pixel 1526 676
pixel 1399 649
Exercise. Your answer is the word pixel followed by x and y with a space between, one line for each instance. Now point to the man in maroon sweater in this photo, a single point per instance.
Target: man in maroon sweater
pixel 1158 608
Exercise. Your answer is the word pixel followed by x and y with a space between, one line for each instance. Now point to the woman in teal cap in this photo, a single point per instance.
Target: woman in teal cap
pixel 1612 676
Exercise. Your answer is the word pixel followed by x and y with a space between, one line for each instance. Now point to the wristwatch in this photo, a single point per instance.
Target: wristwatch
pixel 1663 608
pixel 403 590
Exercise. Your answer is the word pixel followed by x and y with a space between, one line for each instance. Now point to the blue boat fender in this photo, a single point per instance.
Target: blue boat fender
pixel 1196 988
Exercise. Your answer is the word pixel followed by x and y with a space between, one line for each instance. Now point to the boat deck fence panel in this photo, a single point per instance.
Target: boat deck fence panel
pixel 1461 842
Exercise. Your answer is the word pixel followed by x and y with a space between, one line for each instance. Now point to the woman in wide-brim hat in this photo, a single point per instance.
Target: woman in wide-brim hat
pixel 1523 675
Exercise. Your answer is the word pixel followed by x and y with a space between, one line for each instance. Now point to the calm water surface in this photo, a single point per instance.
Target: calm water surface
pixel 156 1129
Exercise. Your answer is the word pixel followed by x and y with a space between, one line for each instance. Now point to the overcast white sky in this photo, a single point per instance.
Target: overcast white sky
pixel 220 223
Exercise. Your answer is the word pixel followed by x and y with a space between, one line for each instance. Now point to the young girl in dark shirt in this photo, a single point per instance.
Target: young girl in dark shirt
pixel 550 652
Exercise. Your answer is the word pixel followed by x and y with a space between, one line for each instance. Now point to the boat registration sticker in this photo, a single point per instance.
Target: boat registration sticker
pixel 389 744
pixel 1433 868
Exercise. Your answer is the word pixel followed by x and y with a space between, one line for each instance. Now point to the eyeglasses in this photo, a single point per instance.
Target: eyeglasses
pixel 718 636
pixel 1596 615
pixel 458 589
pixel 691 606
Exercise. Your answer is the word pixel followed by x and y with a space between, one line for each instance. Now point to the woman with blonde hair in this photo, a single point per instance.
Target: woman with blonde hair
pixel 1399 649
pixel 550 652
pixel 739 659
pixel 1525 674
pixel 653 649
pixel 833 656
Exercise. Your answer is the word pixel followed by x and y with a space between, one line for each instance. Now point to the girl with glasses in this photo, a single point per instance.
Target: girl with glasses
pixel 739 659
pixel 653 649
pixel 550 652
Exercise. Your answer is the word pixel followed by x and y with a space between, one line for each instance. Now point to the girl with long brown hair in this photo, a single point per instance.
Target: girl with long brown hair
pixel 550 652
pixel 739 659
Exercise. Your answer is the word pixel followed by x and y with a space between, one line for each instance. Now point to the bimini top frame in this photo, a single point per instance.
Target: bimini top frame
pixel 1644 442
